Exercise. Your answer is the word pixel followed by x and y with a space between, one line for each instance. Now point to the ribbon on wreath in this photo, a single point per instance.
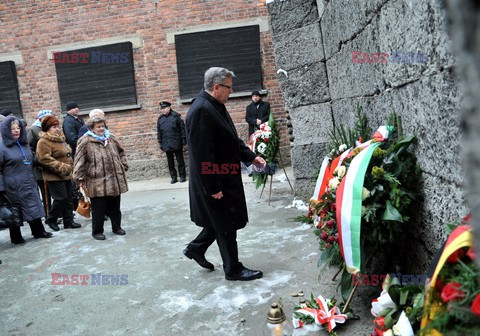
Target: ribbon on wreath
pixel 321 316
pixel 264 130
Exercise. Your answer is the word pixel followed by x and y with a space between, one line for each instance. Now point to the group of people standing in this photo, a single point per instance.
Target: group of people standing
pixel 59 159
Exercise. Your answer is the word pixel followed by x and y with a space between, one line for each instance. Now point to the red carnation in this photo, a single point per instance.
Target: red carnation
pixel 333 207
pixel 475 308
pixel 330 223
pixel 331 239
pixel 257 139
pixel 326 245
pixel 265 140
pixel 324 235
pixel 452 292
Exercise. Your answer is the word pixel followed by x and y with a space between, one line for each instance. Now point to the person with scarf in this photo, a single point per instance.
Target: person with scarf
pixel 17 181
pixel 99 169
pixel 33 135
pixel 55 157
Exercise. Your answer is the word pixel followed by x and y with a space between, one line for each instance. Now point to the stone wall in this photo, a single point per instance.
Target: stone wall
pixel 313 43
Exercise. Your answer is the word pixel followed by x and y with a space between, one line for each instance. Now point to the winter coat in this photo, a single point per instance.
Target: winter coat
pixel 171 132
pixel 262 113
pixel 55 157
pixel 213 140
pixel 33 135
pixel 71 127
pixel 16 178
pixel 101 167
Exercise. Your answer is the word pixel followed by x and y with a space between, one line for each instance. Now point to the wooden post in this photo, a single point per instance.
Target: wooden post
pixel 270 194
pixel 338 272
pixel 281 162
pixel 349 300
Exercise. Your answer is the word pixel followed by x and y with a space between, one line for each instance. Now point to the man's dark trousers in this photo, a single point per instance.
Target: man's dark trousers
pixel 227 243
pixel 181 164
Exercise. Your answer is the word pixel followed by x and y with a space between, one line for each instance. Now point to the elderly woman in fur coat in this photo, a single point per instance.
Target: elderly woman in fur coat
pixel 99 169
pixel 55 157
pixel 17 180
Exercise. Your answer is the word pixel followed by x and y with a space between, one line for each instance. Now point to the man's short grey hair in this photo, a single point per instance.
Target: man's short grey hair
pixel 96 113
pixel 216 75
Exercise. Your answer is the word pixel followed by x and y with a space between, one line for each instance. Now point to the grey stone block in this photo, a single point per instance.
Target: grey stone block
pixel 321 4
pixel 311 123
pixel 416 29
pixel 306 160
pixel 343 19
pixel 304 188
pixel 292 14
pixel 298 47
pixel 348 79
pixel 430 109
pixel 304 86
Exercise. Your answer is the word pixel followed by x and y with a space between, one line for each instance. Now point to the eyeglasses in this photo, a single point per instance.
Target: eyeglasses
pixel 227 86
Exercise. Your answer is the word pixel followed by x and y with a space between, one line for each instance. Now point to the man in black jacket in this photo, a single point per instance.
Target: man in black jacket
pixel 171 138
pixel 258 112
pixel 71 125
pixel 217 198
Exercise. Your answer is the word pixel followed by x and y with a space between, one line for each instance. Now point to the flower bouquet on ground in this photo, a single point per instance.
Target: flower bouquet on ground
pixel 398 310
pixel 265 142
pixel 318 311
pixel 452 302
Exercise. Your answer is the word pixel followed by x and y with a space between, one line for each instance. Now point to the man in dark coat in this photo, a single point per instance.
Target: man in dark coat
pixel 171 138
pixel 217 199
pixel 71 125
pixel 258 112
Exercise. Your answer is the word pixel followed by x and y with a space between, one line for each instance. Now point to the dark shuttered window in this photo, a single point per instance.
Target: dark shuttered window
pixel 237 49
pixel 9 96
pixel 97 77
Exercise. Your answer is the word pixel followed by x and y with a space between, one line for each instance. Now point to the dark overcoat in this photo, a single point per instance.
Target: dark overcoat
pixel 253 113
pixel 171 132
pixel 213 143
pixel 71 128
pixel 16 178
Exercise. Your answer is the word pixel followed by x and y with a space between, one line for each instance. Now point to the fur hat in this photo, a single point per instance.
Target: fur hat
pixel 48 122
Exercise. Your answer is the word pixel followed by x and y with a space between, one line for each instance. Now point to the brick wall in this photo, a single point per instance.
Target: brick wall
pixel 31 27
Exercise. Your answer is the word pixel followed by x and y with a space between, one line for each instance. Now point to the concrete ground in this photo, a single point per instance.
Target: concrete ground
pixel 161 292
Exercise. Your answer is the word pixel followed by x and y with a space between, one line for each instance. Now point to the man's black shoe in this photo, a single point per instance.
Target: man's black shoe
pixel 99 236
pixel 173 181
pixel 43 234
pixel 53 226
pixel 72 225
pixel 245 275
pixel 183 179
pixel 120 232
pixel 200 259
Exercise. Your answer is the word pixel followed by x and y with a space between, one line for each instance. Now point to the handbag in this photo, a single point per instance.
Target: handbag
pixel 10 214
pixel 83 207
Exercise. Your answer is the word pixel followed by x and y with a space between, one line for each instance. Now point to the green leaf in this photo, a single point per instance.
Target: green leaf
pixel 403 297
pixel 392 318
pixel 346 284
pixel 391 213
pixel 418 300
pixel 385 312
pixel 406 141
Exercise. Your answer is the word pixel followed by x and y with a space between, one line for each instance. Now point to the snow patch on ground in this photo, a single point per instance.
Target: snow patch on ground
pixel 299 204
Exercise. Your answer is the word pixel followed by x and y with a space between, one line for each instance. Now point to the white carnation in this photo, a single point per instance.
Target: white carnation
pixel 261 148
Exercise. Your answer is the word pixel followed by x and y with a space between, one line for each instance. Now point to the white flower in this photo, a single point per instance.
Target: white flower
pixel 261 148
pixel 388 332
pixel 340 171
pixel 403 326
pixel 365 194
pixel 333 183
pixel 383 301
pixel 342 148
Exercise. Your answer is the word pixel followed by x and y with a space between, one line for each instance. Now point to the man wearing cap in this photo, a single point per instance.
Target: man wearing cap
pixel 258 112
pixel 33 135
pixel 171 138
pixel 71 125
